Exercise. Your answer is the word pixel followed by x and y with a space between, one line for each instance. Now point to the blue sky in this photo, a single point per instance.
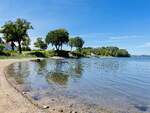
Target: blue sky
pixel 122 23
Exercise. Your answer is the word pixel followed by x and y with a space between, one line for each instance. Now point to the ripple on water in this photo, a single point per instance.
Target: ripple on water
pixel 117 84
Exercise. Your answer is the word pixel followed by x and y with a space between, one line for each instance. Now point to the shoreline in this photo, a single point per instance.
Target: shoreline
pixel 9 103
pixel 14 101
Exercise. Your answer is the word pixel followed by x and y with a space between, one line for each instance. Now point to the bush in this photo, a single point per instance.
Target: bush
pixel 77 54
pixel 4 53
pixel 61 53
pixel 42 53
pixel 2 47
pixel 26 49
pixel 122 53
pixel 37 54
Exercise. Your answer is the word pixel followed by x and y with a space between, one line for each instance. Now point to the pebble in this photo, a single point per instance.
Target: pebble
pixel 24 93
pixel 53 99
pixel 61 111
pixel 45 107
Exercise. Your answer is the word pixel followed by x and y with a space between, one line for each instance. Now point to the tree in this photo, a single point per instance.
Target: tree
pixel 71 42
pixel 78 43
pixel 8 31
pixel 20 33
pixel 1 41
pixel 40 44
pixel 122 53
pixel 16 32
pixel 57 38
pixel 25 44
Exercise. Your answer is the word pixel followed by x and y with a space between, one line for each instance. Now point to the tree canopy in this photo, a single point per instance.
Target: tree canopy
pixel 16 31
pixel 40 44
pixel 25 44
pixel 106 51
pixel 57 38
pixel 8 33
pixel 71 42
pixel 77 42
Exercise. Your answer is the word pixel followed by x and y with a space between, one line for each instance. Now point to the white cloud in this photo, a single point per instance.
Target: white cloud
pixel 122 37
pixel 147 44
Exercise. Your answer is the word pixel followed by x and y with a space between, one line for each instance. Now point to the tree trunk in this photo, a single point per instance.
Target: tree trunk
pixel 20 49
pixel 61 47
pixel 71 48
pixel 12 46
pixel 57 47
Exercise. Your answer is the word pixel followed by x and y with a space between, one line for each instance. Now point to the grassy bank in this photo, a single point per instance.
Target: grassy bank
pixel 108 51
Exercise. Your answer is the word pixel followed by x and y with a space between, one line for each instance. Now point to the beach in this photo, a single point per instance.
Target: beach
pixel 11 100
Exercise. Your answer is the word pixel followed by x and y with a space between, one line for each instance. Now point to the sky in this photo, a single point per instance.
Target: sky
pixel 122 23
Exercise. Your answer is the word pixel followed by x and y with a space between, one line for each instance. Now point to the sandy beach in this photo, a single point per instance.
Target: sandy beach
pixel 10 100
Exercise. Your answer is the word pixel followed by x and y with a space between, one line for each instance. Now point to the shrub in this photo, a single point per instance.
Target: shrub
pixel 4 53
pixel 37 54
pixel 61 53
pixel 77 54
pixel 2 47
pixel 42 53
pixel 26 49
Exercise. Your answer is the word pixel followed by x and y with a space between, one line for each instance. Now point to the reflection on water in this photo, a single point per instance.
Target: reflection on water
pixel 58 78
pixel 117 83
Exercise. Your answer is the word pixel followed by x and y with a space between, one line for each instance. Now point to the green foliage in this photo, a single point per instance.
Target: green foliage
pixel 40 44
pixel 26 48
pixel 38 54
pixel 43 53
pixel 87 51
pixel 106 51
pixel 71 42
pixel 57 38
pixel 1 47
pixel 122 53
pixel 16 32
pixel 26 42
pixel 8 31
pixel 77 42
pixel 77 54
pixel 62 53
pixel 2 53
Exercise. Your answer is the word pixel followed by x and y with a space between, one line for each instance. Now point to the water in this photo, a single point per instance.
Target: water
pixel 120 85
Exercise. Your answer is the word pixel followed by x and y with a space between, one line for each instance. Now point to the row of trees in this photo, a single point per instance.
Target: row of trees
pixel 57 38
pixel 17 32
pixel 106 51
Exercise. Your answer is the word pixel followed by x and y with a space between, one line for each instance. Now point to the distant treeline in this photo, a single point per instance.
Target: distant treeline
pixel 106 51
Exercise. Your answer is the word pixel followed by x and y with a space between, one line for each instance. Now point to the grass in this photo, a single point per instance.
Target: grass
pixel 14 55
pixel 37 53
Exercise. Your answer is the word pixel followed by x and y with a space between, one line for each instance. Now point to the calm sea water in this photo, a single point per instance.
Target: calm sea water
pixel 120 84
